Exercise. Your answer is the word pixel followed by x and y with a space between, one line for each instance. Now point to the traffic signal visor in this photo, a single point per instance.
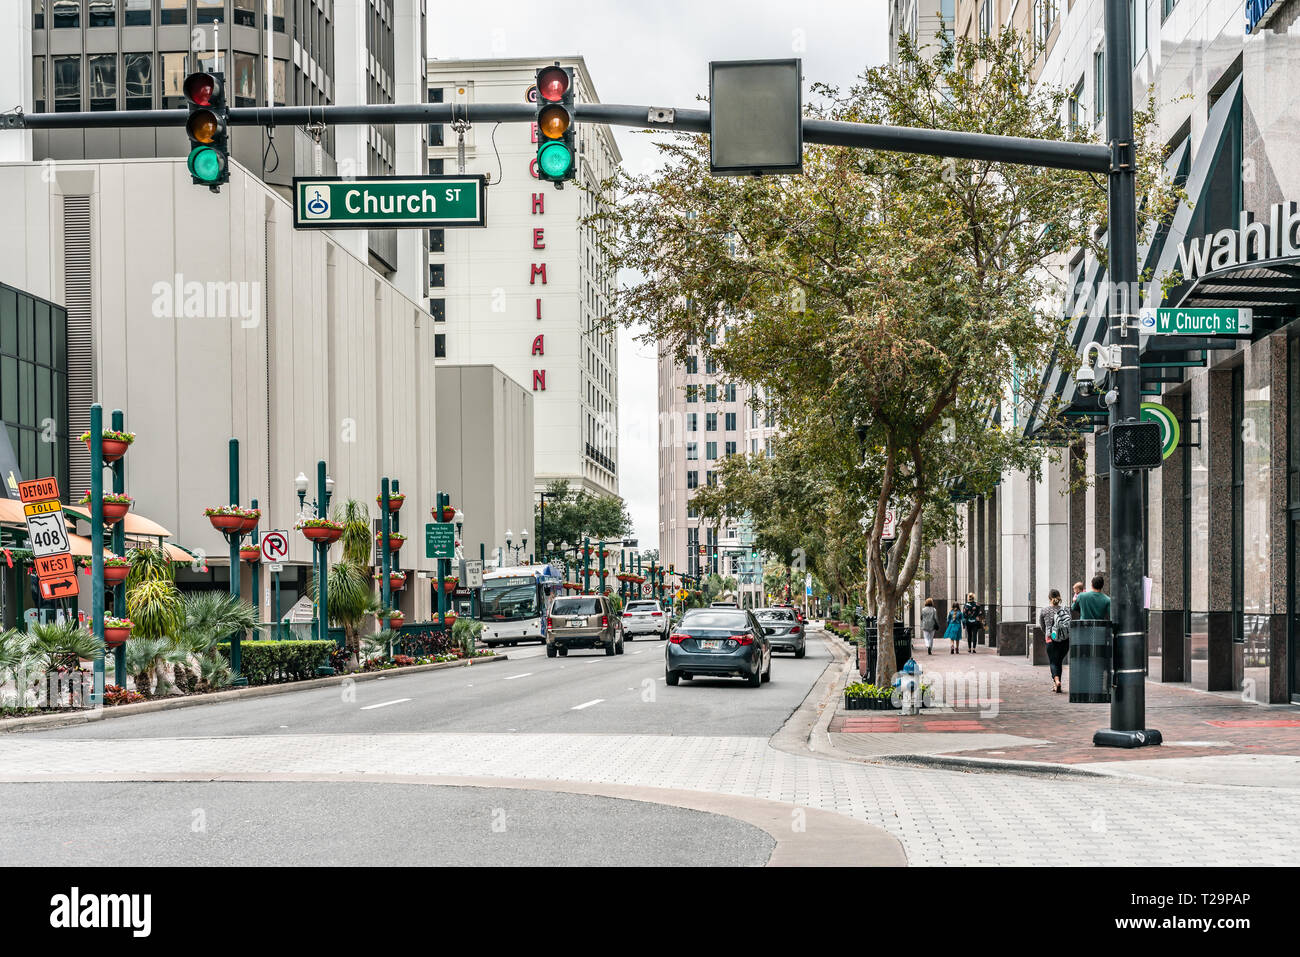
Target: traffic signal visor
pixel 206 164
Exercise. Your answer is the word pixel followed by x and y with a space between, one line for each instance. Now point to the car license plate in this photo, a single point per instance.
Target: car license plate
pixel 712 645
pixel 577 622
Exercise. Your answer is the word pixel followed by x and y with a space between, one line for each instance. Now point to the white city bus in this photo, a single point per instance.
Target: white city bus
pixel 514 603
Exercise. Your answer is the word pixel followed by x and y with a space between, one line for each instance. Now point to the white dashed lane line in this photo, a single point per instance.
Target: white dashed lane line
pixel 586 704
pixel 513 677
pixel 384 704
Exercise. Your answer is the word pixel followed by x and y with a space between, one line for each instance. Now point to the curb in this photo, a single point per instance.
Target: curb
pixel 45 721
pixel 987 765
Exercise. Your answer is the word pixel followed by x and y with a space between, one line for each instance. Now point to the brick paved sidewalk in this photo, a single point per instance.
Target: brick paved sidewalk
pixel 1012 703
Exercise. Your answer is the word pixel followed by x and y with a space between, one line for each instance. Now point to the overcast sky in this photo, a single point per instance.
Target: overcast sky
pixel 657 52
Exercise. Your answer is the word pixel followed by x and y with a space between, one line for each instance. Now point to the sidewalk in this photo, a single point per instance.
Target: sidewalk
pixel 1006 711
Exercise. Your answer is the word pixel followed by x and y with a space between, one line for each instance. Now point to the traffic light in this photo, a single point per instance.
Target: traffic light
pixel 556 155
pixel 205 94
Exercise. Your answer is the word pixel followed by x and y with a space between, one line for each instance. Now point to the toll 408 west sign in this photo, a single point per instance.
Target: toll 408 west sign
pixel 414 202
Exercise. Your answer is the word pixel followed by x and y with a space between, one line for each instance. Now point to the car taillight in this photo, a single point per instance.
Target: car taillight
pixel 604 621
pixel 657 614
pixel 745 639
pixel 627 614
pixel 677 636
pixel 548 621
pixel 794 630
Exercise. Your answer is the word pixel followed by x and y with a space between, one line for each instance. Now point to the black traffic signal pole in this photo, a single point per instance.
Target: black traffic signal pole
pixel 1117 160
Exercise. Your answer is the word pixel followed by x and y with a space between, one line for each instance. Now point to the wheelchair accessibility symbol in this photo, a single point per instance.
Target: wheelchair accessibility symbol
pixel 317 207
pixel 1147 321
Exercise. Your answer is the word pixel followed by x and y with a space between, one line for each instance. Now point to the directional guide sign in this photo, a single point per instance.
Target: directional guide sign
pixel 439 540
pixel 335 202
pixel 47 532
pixel 1233 323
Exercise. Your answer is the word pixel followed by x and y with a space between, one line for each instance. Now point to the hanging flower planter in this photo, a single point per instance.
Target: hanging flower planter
pixel 395 501
pixel 396 579
pixel 395 540
pixel 116 569
pixel 450 619
pixel 251 517
pixel 251 553
pixel 572 586
pixel 450 584
pixel 602 572
pixel 115 505
pixel 232 518
pixel 117 630
pixel 321 530
pixel 395 619
pixel 112 443
pixel 446 514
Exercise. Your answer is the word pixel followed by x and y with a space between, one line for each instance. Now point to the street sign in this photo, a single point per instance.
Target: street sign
pixel 275 547
pixel 47 533
pixel 337 202
pixel 755 117
pixel 38 489
pixel 1230 323
pixel 473 577
pixel 275 567
pixel 1168 422
pixel 65 586
pixel 439 540
pixel 891 525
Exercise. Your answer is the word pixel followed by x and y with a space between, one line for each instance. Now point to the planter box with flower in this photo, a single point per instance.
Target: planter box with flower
pixel 320 529
pixel 112 443
pixel 117 630
pixel 446 514
pixel 251 553
pixel 395 540
pixel 233 518
pixel 396 580
pixel 116 568
pixel 395 501
pixel 450 583
pixel 116 505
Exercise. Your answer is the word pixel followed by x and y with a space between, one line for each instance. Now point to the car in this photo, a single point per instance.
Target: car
pixel 582 621
pixel 645 618
pixel 786 630
pixel 723 604
pixel 798 612
pixel 718 642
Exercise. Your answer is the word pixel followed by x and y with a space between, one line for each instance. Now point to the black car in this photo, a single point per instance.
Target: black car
pixel 718 642
pixel 784 628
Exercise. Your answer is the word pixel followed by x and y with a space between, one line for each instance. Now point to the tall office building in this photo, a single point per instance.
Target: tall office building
pixel 525 292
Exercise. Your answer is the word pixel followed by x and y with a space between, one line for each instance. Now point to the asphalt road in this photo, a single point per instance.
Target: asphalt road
pixel 226 823
pixel 585 692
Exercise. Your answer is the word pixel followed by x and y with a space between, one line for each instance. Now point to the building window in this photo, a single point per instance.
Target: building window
pixel 66 13
pixel 731 422
pixel 692 393
pixel 101 13
pixel 710 450
pixel 38 18
pixel 438 309
pixel 692 422
pixel 437 275
pixel 246 13
pixel 1137 21
pixel 33 387
pixel 38 84
pixel 1098 86
pixel 1072 107
pixel 712 478
pixel 435 129
pixel 1166 8
pixel 437 240
pixel 692 479
pixel 711 422
pixel 173 77
pixel 137 80
pixel 440 346
pixel 729 391
pixel 986 18
pixel 67 84
pixel 692 511
pixel 753 446
pixel 769 420
pixel 435 167
pixel 710 364
pixel 277 15
pixel 692 365
pixel 279 72
pixel 101 80
pixel 731 449
pixel 245 78
pixel 1044 19
pixel 173 11
pixel 209 11
pixel 711 393
pixel 692 451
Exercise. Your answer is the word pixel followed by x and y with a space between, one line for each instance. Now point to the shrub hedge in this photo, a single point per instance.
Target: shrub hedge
pixel 271 662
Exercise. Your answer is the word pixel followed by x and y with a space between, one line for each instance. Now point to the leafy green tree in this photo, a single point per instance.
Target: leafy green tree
pixel 352 595
pixel 572 516
pixel 882 302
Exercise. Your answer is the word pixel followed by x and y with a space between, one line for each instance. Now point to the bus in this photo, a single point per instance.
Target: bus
pixel 514 602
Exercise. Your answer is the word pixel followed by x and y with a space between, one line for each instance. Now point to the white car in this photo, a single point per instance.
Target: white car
pixel 645 618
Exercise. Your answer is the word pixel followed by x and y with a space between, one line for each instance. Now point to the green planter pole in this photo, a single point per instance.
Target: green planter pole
pixel 236 653
pixel 385 553
pixel 119 546
pixel 395 525
pixel 586 564
pixel 323 585
pixel 97 545
pixel 442 499
pixel 257 567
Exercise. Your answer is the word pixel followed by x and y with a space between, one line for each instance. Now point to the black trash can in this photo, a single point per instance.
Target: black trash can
pixel 902 646
pixel 868 638
pixel 1090 660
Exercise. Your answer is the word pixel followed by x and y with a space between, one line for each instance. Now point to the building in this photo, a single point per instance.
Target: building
pixel 525 294
pixel 924 21
pixel 1222 530
pixel 702 421
pixel 278 337
pixel 485 454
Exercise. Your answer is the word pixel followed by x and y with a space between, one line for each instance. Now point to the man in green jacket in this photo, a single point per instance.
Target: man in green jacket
pixel 1094 604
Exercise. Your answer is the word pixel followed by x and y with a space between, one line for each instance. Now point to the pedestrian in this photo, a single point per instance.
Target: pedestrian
pixel 1074 600
pixel 1055 622
pixel 953 631
pixel 929 624
pixel 971 613
pixel 1095 603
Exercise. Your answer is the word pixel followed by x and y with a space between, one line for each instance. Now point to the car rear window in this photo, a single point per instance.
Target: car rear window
pixel 737 621
pixel 575 606
pixel 642 606
pixel 774 614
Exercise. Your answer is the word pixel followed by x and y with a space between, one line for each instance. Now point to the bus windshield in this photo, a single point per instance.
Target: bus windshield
pixel 509 599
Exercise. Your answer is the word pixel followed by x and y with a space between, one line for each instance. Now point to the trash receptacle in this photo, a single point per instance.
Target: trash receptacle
pixel 1090 660
pixel 867 638
pixel 902 646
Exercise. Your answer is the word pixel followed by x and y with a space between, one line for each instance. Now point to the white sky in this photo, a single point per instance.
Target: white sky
pixel 657 52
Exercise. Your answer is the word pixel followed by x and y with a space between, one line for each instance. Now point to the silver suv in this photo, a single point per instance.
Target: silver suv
pixel 582 621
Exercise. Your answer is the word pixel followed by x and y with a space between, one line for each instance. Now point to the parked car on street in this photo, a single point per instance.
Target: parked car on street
pixel 785 630
pixel 582 621
pixel 718 642
pixel 645 618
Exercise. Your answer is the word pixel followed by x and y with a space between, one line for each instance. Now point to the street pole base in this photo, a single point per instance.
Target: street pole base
pixel 324 671
pixel 1110 738
pixel 240 682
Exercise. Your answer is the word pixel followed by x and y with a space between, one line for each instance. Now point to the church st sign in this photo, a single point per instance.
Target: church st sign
pixel 379 202
pixel 1278 237
pixel 1197 322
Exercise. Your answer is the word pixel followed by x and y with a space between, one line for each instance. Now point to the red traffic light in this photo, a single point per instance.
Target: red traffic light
pixel 552 84
pixel 202 88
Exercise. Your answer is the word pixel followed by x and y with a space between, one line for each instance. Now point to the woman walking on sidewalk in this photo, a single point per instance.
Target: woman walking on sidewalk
pixel 929 624
pixel 953 631
pixel 1055 622
pixel 972 617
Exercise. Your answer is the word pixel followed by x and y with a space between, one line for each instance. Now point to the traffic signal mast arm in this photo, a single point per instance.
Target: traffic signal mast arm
pixel 1089 157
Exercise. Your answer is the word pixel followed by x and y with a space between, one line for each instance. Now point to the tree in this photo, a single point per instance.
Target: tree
pixel 881 301
pixel 572 516
pixel 649 556
pixel 351 591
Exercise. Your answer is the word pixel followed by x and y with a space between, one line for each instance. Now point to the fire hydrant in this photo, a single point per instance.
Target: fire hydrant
pixel 907 687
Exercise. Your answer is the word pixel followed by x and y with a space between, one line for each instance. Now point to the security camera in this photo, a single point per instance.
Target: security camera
pixel 1085 378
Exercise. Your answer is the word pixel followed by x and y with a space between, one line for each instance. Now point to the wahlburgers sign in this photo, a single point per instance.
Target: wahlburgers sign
pixel 1276 237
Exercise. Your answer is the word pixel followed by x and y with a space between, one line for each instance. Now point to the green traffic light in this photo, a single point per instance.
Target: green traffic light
pixel 554 159
pixel 206 164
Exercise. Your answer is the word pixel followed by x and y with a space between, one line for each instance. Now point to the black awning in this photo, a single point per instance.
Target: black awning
pixel 1270 287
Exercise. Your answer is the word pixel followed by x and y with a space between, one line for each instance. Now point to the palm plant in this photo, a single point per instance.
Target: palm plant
pixel 206 618
pixel 351 598
pixel 147 659
pixel 357 538
pixel 149 564
pixel 50 646
pixel 13 661
pixel 154 605
pixel 214 671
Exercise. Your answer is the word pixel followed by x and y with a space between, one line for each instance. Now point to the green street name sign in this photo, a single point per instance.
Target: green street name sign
pixel 1197 322
pixel 439 540
pixel 335 202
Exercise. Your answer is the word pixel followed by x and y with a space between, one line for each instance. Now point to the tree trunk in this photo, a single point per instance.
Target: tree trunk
pixel 886 664
pixel 142 682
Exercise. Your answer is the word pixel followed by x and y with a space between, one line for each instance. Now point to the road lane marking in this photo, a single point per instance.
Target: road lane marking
pixel 513 677
pixel 586 704
pixel 384 704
